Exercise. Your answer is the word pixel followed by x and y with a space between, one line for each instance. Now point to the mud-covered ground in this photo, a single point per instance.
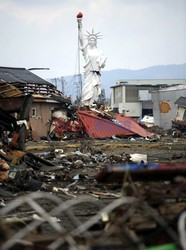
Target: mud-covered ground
pixel 165 149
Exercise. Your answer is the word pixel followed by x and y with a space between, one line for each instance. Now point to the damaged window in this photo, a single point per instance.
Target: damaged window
pixel 33 112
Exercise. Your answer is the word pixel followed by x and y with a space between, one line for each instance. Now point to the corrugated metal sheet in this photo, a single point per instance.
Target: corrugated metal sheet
pixel 101 128
pixel 132 125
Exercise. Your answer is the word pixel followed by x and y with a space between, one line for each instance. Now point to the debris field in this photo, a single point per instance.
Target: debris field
pixel 118 193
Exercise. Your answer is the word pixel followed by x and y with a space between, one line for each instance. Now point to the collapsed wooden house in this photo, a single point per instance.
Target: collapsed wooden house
pixel 26 96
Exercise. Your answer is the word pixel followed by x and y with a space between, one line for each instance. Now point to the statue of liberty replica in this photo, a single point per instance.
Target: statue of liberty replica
pixel 94 62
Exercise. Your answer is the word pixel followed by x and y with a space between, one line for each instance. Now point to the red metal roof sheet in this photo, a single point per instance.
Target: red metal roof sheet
pixel 133 125
pixel 98 127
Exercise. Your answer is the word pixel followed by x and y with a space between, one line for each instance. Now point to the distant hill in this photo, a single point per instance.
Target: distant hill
pixel 174 71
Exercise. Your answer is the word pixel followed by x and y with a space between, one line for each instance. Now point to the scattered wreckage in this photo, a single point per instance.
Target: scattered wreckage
pixel 90 199
pixel 126 222
pixel 91 180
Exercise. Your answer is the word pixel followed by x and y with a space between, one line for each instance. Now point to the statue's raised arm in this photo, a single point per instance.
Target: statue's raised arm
pixel 94 61
pixel 80 34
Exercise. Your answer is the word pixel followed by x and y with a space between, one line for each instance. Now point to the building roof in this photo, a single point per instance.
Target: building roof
pixel 181 102
pixel 173 88
pixel 149 82
pixel 20 75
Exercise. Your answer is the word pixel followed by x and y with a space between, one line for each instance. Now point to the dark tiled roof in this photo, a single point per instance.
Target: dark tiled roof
pixel 20 75
pixel 181 102
pixel 61 99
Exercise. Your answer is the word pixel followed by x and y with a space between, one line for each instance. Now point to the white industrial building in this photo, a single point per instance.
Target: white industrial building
pixel 133 97
pixel 165 106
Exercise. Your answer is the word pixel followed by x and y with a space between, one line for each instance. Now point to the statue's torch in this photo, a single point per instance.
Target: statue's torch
pixel 79 17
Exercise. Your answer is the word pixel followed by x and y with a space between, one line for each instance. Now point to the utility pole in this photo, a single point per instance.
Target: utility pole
pixel 54 81
pixel 63 85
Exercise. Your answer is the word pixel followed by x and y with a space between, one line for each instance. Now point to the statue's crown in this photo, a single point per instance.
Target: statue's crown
pixel 93 35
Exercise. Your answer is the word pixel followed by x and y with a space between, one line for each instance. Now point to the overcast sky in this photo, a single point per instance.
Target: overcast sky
pixel 136 33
